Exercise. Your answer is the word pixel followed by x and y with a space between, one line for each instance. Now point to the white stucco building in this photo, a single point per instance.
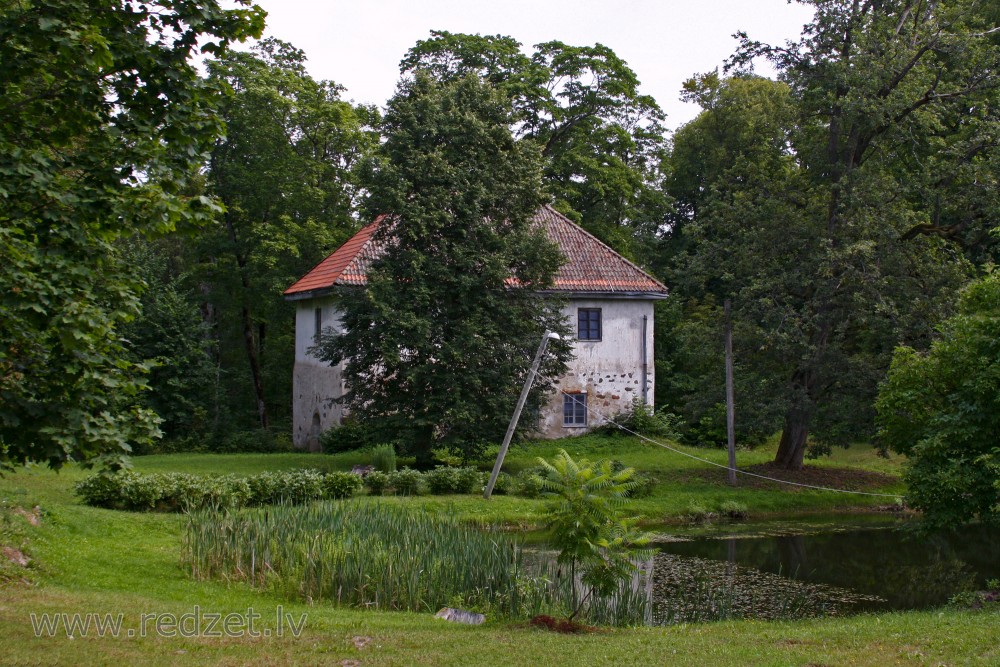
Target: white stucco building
pixel 609 305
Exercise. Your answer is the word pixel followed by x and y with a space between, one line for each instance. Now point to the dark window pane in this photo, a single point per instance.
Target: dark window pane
pixel 589 323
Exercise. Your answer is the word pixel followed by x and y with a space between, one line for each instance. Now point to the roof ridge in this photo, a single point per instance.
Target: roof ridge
pixel 592 265
pixel 607 247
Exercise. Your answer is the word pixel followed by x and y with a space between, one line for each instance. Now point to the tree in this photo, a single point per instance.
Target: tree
pixel 287 173
pixel 586 525
pixel 735 153
pixel 602 140
pixel 439 342
pixel 746 119
pixel 170 336
pixel 104 125
pixel 942 410
pixel 832 254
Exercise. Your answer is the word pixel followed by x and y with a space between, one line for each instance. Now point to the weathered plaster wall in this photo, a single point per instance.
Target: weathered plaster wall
pixel 315 384
pixel 608 371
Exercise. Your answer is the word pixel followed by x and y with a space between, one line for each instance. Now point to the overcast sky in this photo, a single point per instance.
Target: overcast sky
pixel 359 43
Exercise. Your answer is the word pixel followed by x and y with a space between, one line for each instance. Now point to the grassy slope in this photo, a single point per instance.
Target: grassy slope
pixel 91 560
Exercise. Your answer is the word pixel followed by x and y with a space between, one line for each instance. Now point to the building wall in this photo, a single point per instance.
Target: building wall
pixel 606 373
pixel 315 384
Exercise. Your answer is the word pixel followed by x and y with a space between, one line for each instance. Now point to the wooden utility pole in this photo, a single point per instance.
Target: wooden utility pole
pixel 528 381
pixel 730 408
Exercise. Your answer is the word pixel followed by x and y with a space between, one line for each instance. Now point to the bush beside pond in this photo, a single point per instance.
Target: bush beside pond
pixel 174 492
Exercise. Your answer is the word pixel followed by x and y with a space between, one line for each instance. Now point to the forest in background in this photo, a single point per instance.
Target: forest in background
pixel 842 208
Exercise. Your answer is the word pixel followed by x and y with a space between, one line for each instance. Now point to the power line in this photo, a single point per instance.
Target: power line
pixel 608 420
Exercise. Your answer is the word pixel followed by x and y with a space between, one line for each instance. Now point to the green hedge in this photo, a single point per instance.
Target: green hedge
pixel 173 491
pixel 444 480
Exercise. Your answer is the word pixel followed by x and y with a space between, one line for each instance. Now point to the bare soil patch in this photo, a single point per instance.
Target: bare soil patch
pixel 560 625
pixel 34 517
pixel 15 556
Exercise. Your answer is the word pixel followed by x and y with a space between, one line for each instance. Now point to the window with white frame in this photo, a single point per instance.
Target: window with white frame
pixel 575 409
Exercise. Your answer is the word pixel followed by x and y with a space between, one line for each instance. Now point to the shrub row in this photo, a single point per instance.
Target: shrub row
pixel 172 491
pixel 448 480
pixel 252 441
pixel 445 480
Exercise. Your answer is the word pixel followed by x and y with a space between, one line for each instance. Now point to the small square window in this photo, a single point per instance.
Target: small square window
pixel 575 409
pixel 589 323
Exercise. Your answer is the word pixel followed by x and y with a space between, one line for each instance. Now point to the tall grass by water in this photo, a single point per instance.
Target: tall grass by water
pixel 387 556
pixel 360 554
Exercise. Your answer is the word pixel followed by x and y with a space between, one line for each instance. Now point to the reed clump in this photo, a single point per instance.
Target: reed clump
pixel 362 554
pixel 388 556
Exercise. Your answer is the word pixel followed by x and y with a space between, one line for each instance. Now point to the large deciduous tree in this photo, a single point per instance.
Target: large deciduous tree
pixel 725 164
pixel 104 124
pixel 853 235
pixel 942 410
pixel 171 336
pixel 286 172
pixel 603 141
pixel 438 343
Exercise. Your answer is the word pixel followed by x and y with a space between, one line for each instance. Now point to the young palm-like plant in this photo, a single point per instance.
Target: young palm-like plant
pixel 587 523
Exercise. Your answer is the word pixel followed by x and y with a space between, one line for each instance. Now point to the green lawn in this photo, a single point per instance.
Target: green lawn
pixel 682 481
pixel 93 560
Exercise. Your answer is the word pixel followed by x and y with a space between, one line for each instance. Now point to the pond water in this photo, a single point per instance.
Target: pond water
pixel 828 565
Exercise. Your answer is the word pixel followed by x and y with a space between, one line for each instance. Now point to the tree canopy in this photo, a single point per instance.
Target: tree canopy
pixel 602 140
pixel 438 343
pixel 287 173
pixel 942 410
pixel 104 125
pixel 822 227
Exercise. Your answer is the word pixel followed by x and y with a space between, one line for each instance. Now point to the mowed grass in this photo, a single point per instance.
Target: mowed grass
pixel 681 481
pixel 104 561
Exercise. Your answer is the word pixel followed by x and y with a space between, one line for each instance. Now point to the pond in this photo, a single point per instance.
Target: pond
pixel 828 565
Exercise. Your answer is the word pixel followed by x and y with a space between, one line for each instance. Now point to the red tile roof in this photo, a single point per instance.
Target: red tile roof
pixel 346 266
pixel 591 266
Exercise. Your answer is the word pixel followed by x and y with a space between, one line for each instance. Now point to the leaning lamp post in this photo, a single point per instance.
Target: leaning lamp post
pixel 528 381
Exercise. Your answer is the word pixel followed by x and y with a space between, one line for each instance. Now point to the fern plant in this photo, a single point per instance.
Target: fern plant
pixel 587 522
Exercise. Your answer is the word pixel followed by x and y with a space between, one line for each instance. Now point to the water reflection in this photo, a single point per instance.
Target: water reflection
pixel 889 568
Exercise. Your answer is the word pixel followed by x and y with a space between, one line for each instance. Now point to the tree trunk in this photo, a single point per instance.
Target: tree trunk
pixel 250 343
pixel 578 607
pixel 804 382
pixel 254 359
pixel 423 451
pixel 792 448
